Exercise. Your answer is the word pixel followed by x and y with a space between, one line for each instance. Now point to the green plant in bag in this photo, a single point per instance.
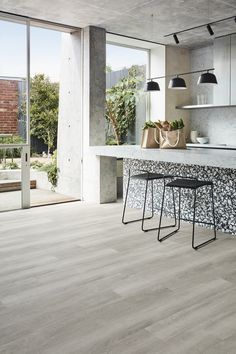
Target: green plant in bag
pixel 149 124
pixel 177 124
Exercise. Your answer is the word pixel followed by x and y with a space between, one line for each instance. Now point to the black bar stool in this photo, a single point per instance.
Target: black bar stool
pixel 146 177
pixel 192 184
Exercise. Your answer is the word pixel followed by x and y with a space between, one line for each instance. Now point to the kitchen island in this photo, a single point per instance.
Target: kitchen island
pixel 218 166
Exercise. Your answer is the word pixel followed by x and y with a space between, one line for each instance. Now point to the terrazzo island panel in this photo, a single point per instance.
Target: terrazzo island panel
pixel 224 180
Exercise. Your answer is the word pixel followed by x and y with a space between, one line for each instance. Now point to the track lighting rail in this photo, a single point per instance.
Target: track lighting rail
pixel 205 25
pixel 178 83
pixel 185 73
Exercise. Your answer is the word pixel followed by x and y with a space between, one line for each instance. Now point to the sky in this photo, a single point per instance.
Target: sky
pixel 46 50
pixel 119 57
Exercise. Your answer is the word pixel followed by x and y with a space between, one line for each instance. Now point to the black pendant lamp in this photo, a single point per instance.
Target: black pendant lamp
pixel 152 86
pixel 207 78
pixel 177 83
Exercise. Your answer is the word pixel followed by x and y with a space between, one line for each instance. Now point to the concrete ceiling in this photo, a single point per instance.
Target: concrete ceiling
pixel 144 19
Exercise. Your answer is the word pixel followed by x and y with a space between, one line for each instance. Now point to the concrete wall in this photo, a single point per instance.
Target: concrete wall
pixel 70 117
pixel 82 85
pixel 99 173
pixel 219 124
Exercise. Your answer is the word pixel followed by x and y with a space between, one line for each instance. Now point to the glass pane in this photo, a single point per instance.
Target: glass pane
pixel 126 73
pixel 13 72
pixel 45 50
pixel 46 59
pixel 10 179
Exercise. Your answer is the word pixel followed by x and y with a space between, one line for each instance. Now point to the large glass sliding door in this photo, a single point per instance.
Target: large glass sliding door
pixel 36 71
pixel 14 117
pixel 53 80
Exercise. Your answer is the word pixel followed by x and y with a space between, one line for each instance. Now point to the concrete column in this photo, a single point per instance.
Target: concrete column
pixel 99 173
pixel 70 116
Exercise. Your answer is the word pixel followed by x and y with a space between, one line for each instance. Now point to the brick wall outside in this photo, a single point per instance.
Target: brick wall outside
pixel 9 106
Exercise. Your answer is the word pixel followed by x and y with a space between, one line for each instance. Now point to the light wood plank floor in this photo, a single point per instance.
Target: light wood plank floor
pixel 73 279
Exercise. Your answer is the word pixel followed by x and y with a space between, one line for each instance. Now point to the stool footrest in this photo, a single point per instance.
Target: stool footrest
pixel 168 235
pixel 204 243
pixel 198 221
pixel 141 219
pixel 157 228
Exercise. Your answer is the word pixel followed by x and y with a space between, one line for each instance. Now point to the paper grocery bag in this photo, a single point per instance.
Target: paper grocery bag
pixel 173 139
pixel 150 138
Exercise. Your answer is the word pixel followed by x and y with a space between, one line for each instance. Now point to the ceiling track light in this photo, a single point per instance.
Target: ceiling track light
pixel 152 86
pixel 206 25
pixel 210 30
pixel 178 83
pixel 207 78
pixel 176 38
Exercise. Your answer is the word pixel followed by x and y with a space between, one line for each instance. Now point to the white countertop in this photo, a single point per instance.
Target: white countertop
pixel 190 156
pixel 212 146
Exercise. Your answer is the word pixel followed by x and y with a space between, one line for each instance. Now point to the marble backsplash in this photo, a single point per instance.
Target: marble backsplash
pixel 219 124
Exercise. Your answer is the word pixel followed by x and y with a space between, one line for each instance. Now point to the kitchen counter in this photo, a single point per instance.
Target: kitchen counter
pixel 218 166
pixel 190 156
pixel 211 146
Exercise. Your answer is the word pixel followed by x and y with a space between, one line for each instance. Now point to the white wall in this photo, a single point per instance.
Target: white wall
pixel 158 68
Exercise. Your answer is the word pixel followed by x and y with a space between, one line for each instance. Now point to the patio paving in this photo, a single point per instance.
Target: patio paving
pixel 12 200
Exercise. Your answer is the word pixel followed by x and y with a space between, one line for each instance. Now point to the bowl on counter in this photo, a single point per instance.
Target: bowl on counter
pixel 203 139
